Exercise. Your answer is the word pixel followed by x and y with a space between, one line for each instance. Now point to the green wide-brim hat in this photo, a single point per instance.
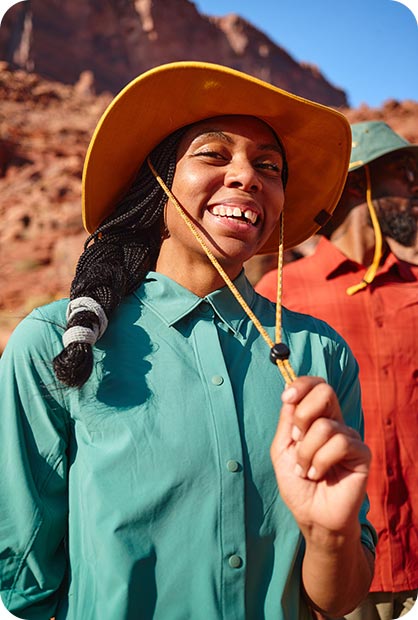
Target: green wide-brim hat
pixel 373 139
pixel 316 138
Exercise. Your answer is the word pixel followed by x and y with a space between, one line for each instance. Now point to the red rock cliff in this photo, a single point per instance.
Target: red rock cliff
pixel 118 39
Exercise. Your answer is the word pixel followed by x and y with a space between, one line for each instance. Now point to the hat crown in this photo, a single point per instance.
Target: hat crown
pixel 371 140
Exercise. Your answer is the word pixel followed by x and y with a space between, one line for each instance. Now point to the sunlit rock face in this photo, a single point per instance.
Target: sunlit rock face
pixel 118 39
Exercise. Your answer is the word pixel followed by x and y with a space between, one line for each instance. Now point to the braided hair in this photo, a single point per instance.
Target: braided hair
pixel 118 255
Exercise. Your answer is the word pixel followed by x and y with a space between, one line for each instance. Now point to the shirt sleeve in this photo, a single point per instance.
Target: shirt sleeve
pixel 33 485
pixel 345 379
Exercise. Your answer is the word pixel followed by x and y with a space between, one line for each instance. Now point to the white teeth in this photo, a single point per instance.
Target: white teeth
pixel 219 210
pixel 234 212
pixel 250 215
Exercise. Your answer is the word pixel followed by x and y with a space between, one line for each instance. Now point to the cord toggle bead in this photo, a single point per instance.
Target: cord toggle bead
pixel 279 351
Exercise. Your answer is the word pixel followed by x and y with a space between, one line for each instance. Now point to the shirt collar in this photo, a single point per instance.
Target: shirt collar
pixel 335 263
pixel 172 302
pixel 406 271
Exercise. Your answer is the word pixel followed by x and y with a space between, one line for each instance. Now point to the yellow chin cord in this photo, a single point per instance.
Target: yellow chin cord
pixel 371 271
pixel 279 352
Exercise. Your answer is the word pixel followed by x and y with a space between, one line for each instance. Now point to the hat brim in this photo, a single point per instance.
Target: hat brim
pixel 412 148
pixel 316 138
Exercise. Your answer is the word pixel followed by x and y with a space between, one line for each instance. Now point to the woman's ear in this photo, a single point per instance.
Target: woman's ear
pixel 165 233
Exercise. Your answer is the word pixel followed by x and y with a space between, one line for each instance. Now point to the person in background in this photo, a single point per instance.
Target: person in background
pixel 363 280
pixel 171 446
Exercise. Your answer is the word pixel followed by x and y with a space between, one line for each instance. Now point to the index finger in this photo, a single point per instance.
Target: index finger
pixel 312 398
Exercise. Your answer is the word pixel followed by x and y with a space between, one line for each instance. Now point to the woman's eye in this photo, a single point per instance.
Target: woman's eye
pixel 210 154
pixel 270 166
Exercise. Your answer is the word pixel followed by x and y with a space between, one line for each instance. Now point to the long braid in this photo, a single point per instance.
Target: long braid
pixel 117 256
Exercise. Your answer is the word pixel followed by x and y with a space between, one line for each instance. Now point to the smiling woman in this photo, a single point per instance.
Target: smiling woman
pixel 145 473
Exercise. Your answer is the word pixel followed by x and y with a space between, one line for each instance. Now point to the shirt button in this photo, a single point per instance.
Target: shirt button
pixel 232 465
pixel 217 380
pixel 235 561
pixel 205 307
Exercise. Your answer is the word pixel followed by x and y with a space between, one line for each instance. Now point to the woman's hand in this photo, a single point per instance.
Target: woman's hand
pixel 321 467
pixel 321 464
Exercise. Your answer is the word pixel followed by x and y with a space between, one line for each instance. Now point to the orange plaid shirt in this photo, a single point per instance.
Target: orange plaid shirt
pixel 380 324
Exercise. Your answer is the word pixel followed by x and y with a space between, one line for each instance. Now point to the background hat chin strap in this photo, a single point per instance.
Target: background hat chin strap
pixel 279 352
pixel 371 271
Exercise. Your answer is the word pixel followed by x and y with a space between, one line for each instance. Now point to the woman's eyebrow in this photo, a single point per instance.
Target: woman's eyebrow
pixel 217 133
pixel 213 133
pixel 271 147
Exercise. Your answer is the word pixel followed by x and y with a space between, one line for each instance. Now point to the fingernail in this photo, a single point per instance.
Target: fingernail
pixel 296 433
pixel 289 394
pixel 312 473
pixel 298 470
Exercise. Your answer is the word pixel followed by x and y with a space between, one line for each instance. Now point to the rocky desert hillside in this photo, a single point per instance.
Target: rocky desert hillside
pixel 46 123
pixel 119 39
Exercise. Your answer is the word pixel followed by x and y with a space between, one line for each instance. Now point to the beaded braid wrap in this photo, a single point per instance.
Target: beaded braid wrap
pixel 116 259
pixel 84 334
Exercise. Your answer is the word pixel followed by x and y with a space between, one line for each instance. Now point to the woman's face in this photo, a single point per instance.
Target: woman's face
pixel 229 181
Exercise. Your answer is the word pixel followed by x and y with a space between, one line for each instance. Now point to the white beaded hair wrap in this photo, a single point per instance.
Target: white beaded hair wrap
pixel 84 334
pixel 80 334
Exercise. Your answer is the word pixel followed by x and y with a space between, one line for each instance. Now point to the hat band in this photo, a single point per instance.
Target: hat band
pixel 358 163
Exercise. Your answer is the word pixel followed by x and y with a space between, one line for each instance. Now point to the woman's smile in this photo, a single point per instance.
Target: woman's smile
pixel 233 209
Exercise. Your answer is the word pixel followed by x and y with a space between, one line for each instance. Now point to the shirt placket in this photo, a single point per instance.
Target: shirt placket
pixel 224 419
pixel 387 423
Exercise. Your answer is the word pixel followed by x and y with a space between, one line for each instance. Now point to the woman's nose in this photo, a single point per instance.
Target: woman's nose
pixel 242 174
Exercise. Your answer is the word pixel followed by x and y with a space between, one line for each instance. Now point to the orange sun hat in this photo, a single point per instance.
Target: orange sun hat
pixel 316 139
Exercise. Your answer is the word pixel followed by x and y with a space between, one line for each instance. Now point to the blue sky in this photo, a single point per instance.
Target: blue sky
pixel 369 48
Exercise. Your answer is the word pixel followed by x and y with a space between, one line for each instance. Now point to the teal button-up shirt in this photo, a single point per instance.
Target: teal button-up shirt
pixel 149 493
